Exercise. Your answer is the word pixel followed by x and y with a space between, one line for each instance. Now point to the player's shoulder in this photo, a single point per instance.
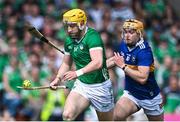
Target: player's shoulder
pixel 92 34
pixel 68 41
pixel 142 45
pixel 91 31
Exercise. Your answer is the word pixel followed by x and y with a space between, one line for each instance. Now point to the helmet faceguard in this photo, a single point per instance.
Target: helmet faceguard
pixel 135 25
pixel 77 16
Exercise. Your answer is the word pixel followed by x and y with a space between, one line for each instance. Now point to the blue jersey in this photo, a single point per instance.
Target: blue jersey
pixel 141 55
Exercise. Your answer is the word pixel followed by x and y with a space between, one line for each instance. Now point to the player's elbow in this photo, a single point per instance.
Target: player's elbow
pixel 99 64
pixel 143 76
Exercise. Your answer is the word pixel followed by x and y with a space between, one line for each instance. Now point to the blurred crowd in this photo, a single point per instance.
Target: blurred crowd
pixel 25 57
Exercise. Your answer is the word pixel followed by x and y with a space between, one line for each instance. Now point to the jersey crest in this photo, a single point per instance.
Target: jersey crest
pixel 81 47
pixel 70 47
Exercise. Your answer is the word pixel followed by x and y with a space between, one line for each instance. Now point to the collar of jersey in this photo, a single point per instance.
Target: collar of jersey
pixel 137 44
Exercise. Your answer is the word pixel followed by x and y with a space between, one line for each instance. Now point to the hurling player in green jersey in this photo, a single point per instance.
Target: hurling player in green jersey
pixel 92 86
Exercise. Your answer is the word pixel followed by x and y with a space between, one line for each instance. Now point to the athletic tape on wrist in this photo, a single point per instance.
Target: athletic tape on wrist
pixel 79 72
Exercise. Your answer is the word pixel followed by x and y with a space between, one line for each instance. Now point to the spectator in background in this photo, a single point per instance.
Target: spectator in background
pixel 4 49
pixel 34 17
pixel 11 79
pixel 178 50
pixel 163 72
pixel 96 12
pixel 154 8
pixel 34 61
pixel 122 9
pixel 172 94
pixel 34 99
pixel 106 21
pixel 53 106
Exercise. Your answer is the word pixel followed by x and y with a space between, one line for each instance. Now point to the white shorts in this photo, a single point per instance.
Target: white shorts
pixel 150 107
pixel 100 94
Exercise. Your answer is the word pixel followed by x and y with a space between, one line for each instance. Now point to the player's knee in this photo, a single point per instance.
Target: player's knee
pixel 118 117
pixel 119 114
pixel 68 116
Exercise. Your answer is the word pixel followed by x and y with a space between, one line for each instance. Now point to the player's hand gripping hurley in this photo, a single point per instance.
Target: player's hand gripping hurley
pixel 27 86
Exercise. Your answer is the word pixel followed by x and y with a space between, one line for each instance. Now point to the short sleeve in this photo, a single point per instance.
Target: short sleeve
pixel 94 40
pixel 145 57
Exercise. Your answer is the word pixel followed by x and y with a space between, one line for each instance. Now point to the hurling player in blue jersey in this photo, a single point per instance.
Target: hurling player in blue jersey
pixel 136 59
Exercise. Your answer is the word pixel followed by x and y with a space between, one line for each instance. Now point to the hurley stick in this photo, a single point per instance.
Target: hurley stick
pixel 34 32
pixel 40 87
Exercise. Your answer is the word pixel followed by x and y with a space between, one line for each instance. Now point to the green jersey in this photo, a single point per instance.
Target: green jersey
pixel 80 53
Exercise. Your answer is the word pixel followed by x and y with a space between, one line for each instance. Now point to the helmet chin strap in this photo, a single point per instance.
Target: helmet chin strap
pixel 81 27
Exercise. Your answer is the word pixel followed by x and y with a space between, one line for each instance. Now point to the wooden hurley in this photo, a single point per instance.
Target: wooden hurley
pixel 41 87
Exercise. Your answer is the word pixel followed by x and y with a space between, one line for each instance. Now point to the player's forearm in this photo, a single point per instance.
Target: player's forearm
pixel 138 76
pixel 63 68
pixel 92 66
pixel 110 63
